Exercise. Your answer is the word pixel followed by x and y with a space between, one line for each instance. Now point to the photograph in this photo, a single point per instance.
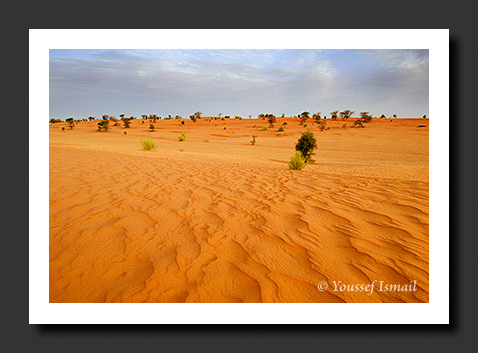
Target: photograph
pixel 260 179
pixel 239 176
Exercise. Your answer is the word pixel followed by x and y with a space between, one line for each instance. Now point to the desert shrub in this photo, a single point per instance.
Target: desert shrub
pixel 70 122
pixel 306 145
pixel 321 124
pixel 297 161
pixel 281 128
pixel 284 123
pixel 182 122
pixel 305 125
pixel 344 126
pixel 151 127
pixel 182 137
pixel 264 128
pixel 253 141
pixel 272 119
pixel 148 144
pixel 126 122
pixel 358 122
pixel 104 125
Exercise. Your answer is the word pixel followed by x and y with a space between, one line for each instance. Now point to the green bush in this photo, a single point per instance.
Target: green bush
pixel 281 128
pixel 148 144
pixel 264 128
pixel 358 122
pixel 305 125
pixel 306 145
pixel 104 125
pixel 182 137
pixel 297 161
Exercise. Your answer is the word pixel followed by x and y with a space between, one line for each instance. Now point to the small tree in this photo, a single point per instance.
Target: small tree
pixel 346 114
pixel 195 116
pixel 334 114
pixel 272 119
pixel 71 123
pixel 306 145
pixel 366 117
pixel 395 116
pixel 424 117
pixel 126 122
pixel 358 122
pixel 90 118
pixel 303 117
pixel 321 124
pixel 104 125
pixel 253 141
pixel 316 116
pixel 151 127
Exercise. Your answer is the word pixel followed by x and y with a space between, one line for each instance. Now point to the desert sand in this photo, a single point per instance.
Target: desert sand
pixel 215 219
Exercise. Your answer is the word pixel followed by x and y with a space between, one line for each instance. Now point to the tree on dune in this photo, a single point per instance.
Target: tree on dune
pixel 303 117
pixel 334 114
pixel 306 145
pixel 366 117
pixel 195 116
pixel 346 114
pixel 272 119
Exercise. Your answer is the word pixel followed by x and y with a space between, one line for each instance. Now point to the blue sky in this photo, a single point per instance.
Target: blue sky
pixel 237 82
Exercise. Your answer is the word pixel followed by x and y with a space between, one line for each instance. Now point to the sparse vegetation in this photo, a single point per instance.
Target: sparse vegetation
pixel 71 123
pixel 148 144
pixel 264 128
pixel 297 161
pixel 346 114
pixel 305 125
pixel 321 124
pixel 104 125
pixel 334 114
pixel 303 117
pixel 182 137
pixel 126 122
pixel 195 116
pixel 253 141
pixel 151 127
pixel 366 117
pixel 358 122
pixel 344 126
pixel 272 119
pixel 281 128
pixel 306 145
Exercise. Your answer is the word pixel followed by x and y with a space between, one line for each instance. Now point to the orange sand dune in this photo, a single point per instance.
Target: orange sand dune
pixel 216 219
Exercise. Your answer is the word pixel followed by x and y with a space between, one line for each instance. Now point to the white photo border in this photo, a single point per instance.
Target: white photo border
pixel 43 312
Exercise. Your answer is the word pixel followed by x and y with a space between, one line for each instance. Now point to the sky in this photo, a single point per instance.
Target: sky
pixel 242 82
